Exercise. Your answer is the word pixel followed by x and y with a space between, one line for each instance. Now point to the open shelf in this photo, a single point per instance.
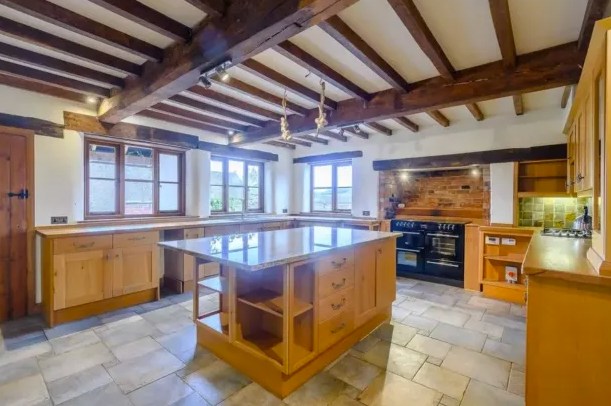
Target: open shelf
pixel 265 343
pixel 215 321
pixel 216 283
pixel 272 302
pixel 511 258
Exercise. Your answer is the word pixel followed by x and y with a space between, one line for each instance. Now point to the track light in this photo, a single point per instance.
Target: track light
pixel 357 129
pixel 222 73
pixel 92 100
pixel 203 79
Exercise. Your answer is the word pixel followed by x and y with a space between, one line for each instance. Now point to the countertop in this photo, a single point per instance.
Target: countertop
pixel 256 251
pixel 96 228
pixel 561 258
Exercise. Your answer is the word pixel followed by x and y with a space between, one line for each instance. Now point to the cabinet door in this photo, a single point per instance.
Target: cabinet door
pixel 81 277
pixel 587 160
pixel 386 273
pixel 135 269
pixel 572 150
pixel 365 283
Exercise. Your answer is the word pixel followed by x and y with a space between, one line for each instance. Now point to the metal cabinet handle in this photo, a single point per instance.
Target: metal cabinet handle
pixel 442 264
pixel 339 305
pixel 580 177
pixel 82 246
pixel 339 264
pixel 338 328
pixel 339 285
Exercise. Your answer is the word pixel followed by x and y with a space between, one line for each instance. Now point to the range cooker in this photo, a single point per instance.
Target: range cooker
pixel 431 251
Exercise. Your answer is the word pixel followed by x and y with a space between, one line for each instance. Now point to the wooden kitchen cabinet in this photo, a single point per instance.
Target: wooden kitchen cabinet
pixel 365 283
pixel 386 273
pixel 582 148
pixel 135 269
pixel 179 268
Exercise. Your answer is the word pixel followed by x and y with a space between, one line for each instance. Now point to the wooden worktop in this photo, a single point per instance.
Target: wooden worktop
pixel 561 258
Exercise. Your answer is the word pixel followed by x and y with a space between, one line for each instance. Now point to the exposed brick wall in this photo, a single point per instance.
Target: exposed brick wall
pixel 452 189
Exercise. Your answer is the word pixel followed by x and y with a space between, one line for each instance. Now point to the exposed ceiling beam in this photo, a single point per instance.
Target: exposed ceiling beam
pixel 272 76
pixel 407 123
pixel 214 8
pixel 148 17
pixel 475 111
pixel 565 96
pixel 297 141
pixel 545 69
pixel 281 144
pixel 158 115
pixel 42 88
pixel 594 12
pixel 233 152
pixel 501 18
pixel 352 131
pixel 43 61
pixel 518 104
pixel 41 76
pixel 233 102
pixel 333 135
pixel 261 95
pixel 40 38
pixel 439 117
pixel 412 19
pixel 247 28
pixel 202 118
pixel 379 128
pixel 320 69
pixel 208 109
pixel 40 127
pixel 71 21
pixel 317 140
pixel 343 34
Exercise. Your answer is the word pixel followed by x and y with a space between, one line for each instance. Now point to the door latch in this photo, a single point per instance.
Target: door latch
pixel 21 195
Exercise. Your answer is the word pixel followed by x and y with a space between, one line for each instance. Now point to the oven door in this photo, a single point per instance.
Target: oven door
pixel 445 269
pixel 411 240
pixel 410 261
pixel 444 246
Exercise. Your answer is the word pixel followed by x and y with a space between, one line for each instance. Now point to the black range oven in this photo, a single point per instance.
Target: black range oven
pixel 431 251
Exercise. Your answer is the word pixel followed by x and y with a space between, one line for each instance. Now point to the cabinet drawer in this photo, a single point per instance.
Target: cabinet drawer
pixel 332 330
pixel 191 233
pixel 336 303
pixel 135 239
pixel 336 262
pixel 331 282
pixel 68 245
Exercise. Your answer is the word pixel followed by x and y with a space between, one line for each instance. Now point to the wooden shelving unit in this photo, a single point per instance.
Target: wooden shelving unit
pixel 542 178
pixel 503 247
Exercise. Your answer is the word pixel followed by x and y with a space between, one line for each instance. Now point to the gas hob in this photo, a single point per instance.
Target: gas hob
pixel 565 232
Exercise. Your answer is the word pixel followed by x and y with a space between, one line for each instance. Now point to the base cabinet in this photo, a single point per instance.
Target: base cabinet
pixel 135 269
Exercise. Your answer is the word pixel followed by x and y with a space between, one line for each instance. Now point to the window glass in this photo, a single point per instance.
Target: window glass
pixel 168 197
pixel 323 176
pixel 168 168
pixel 253 175
pixel 102 161
pixel 236 173
pixel 323 199
pixel 102 196
pixel 138 198
pixel 253 198
pixel 139 163
pixel 216 198
pixel 332 187
pixel 216 172
pixel 103 173
pixel 344 176
pixel 236 199
pixel 238 182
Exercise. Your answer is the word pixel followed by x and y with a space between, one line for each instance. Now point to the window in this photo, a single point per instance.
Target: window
pixel 235 186
pixel 332 187
pixel 125 180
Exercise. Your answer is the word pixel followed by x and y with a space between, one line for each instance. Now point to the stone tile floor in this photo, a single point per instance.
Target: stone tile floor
pixel 444 346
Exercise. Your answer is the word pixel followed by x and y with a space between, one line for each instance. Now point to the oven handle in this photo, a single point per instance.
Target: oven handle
pixel 442 264
pixel 411 232
pixel 443 235
pixel 408 250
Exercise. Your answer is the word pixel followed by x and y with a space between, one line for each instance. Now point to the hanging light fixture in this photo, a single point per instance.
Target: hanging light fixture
pixel 284 123
pixel 321 120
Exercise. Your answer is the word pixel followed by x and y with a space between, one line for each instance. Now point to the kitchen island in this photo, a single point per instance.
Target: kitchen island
pixel 290 302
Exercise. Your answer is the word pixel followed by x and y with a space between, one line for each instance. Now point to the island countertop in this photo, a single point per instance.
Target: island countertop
pixel 259 250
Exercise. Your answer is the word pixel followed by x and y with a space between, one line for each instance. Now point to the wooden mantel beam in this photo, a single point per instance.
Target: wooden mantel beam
pixel 545 69
pixel 246 28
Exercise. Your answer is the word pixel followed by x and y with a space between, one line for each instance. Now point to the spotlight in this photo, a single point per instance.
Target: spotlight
pixel 475 172
pixel 92 100
pixel 223 75
pixel 203 79
pixel 230 132
pixel 404 176
pixel 357 129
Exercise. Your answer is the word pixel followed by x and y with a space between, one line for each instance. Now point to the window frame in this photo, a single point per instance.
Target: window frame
pixel 120 179
pixel 334 165
pixel 225 186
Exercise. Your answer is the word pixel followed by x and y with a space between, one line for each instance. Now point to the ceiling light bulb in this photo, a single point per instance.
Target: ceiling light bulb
pixel 475 172
pixel 404 176
pixel 92 100
pixel 223 75
pixel 231 132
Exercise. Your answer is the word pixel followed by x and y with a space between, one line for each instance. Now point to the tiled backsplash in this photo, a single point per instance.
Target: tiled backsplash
pixel 557 212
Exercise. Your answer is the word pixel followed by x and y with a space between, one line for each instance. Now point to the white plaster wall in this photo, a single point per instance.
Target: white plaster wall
pixel 501 192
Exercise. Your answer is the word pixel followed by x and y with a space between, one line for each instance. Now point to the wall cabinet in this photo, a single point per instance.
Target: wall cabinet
pixel 581 148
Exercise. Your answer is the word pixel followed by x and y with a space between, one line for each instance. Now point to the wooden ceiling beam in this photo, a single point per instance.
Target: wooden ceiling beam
pixel 281 144
pixel 342 33
pixel 148 17
pixel 158 115
pixel 335 136
pixel 518 104
pixel 565 96
pixel 439 118
pixel 41 76
pixel 272 76
pixel 541 70
pixel 594 11
pixel 246 29
pixel 233 102
pixel 214 8
pixel 501 18
pixel 43 61
pixel 412 19
pixel 202 118
pixel 297 141
pixel 40 38
pixel 352 131
pixel 379 128
pixel 320 69
pixel 261 95
pixel 475 111
pixel 407 123
pixel 40 127
pixel 208 109
pixel 71 21
pixel 313 139
pixel 42 88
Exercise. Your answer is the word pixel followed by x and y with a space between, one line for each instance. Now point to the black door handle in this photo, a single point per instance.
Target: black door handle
pixel 21 195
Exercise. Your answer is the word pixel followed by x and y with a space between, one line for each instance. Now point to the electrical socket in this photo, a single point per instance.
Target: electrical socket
pixel 366 213
pixel 59 220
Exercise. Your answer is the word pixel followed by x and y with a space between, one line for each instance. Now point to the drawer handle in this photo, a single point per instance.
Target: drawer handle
pixel 339 305
pixel 338 328
pixel 338 264
pixel 136 238
pixel 82 246
pixel 339 285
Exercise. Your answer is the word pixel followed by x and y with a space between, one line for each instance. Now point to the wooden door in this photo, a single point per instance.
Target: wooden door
pixel 13 228
pixel 365 283
pixel 81 277
pixel 386 273
pixel 135 269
